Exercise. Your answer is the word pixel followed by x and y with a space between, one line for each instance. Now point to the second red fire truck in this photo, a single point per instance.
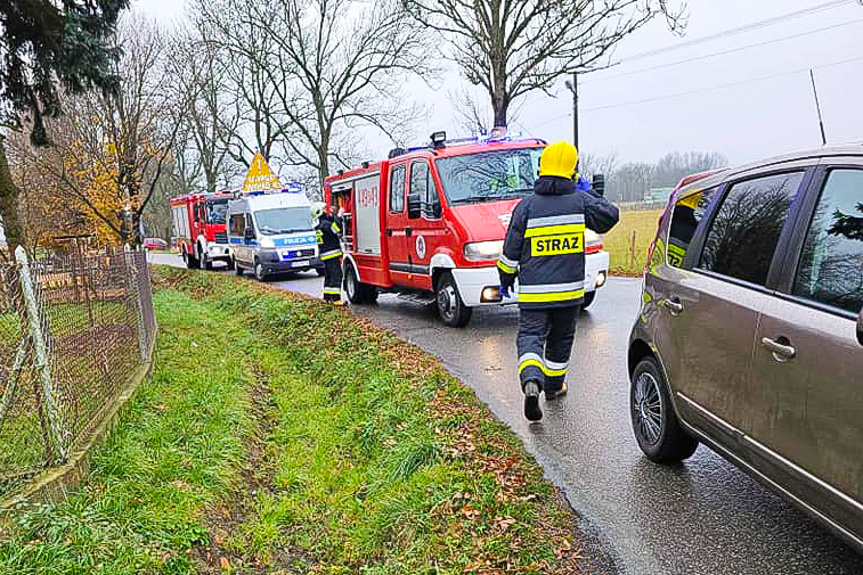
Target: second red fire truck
pixel 199 226
pixel 429 223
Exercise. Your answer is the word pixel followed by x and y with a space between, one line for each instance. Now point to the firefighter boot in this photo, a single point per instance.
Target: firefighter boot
pixel 532 410
pixel 552 395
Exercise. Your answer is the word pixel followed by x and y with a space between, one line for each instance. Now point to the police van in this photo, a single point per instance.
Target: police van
pixel 272 233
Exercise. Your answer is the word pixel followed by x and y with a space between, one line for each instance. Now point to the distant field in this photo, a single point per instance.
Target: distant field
pixel 618 241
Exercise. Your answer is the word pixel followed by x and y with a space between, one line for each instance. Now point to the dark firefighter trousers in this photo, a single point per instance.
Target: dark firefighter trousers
pixel 333 279
pixel 544 342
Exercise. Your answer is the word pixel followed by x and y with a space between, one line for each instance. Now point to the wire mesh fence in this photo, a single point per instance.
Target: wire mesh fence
pixel 73 331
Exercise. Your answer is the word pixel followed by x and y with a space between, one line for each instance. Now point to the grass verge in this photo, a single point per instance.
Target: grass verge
pixel 618 241
pixel 280 435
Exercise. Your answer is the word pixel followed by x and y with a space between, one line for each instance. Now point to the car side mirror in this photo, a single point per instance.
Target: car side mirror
pixel 860 327
pixel 414 206
pixel 598 184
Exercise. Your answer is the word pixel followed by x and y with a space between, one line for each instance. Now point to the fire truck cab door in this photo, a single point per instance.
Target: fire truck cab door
pixel 428 231
pixel 397 226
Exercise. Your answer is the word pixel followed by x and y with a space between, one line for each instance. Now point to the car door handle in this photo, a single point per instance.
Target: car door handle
pixel 780 347
pixel 674 306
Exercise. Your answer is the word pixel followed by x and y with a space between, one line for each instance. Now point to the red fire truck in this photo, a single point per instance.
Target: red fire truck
pixel 199 225
pixel 429 223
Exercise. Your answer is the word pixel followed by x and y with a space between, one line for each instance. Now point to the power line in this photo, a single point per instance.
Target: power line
pixel 702 90
pixel 741 29
pixel 724 52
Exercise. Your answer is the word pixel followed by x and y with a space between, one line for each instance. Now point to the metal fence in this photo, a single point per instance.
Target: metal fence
pixel 73 331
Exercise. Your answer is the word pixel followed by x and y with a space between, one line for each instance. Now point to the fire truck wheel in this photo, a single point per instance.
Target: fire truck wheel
pixel 191 261
pixel 450 306
pixel 358 292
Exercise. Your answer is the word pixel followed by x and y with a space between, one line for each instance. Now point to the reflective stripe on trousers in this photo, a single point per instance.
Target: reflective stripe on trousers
pixel 544 342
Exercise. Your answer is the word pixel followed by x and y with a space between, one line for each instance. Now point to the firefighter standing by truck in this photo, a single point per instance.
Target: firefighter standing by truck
pixel 544 249
pixel 328 229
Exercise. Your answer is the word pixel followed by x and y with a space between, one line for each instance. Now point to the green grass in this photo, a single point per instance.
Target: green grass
pixel 281 435
pixel 618 241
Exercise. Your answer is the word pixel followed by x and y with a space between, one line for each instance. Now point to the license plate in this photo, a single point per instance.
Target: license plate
pixel 302 264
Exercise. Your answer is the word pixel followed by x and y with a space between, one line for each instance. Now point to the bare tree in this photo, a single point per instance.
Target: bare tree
pixel 334 66
pixel 513 47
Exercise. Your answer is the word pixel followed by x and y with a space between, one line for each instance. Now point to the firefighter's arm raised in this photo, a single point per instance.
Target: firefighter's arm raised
pixel 600 215
pixel 507 264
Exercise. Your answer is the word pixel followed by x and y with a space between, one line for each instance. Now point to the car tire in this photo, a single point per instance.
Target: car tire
pixel 450 306
pixel 358 292
pixel 259 272
pixel 654 422
pixel 588 299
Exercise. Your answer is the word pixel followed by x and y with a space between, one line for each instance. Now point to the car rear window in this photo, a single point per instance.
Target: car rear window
pixel 831 266
pixel 688 213
pixel 744 234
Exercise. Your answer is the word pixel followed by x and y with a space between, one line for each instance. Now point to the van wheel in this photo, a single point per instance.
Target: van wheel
pixel 657 429
pixel 588 299
pixel 450 306
pixel 259 272
pixel 358 292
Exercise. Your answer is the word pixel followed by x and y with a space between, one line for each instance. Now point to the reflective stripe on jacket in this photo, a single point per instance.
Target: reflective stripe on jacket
pixel 328 230
pixel 544 244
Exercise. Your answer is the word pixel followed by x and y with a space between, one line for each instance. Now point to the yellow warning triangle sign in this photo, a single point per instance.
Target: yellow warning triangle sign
pixel 260 177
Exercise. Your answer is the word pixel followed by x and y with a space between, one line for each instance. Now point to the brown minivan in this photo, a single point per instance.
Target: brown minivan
pixel 750 334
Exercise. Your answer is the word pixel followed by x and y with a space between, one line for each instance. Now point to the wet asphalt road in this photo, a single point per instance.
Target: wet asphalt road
pixel 703 517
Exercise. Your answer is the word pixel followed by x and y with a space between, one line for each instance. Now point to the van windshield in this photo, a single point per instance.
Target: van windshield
pixel 489 176
pixel 216 211
pixel 283 220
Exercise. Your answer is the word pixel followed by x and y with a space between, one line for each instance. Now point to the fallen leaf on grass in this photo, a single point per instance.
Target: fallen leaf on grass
pixel 224 563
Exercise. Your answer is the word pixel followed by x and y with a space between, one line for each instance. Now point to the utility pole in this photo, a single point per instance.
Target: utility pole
pixel 573 87
pixel 818 108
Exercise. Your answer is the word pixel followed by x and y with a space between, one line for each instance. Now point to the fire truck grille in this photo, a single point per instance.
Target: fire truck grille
pixel 221 238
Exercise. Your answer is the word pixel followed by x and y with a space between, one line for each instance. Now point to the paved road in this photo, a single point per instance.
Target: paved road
pixel 702 518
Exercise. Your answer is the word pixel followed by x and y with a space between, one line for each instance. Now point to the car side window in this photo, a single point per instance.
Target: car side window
pixel 688 213
pixel 745 232
pixel 397 190
pixel 238 223
pixel 831 267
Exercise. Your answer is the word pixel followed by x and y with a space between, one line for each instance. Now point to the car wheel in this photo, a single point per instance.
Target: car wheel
pixel 259 272
pixel 358 292
pixel 450 306
pixel 657 429
pixel 588 299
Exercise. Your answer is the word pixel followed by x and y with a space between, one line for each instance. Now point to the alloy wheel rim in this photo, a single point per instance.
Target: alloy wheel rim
pixel 647 408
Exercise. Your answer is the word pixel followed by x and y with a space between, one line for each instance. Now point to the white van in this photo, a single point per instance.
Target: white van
pixel 272 233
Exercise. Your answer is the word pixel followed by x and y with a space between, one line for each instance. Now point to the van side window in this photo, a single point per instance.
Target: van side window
pixel 397 190
pixel 422 183
pixel 744 234
pixel 831 267
pixel 238 224
pixel 688 213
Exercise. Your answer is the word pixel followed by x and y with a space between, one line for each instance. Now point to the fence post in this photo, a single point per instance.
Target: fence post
pixel 132 282
pixel 633 263
pixel 43 363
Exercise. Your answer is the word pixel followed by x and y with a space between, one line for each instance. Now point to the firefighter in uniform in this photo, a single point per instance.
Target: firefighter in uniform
pixel 544 249
pixel 328 229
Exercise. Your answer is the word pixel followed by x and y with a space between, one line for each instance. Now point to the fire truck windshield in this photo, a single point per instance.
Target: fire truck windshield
pixel 216 210
pixel 283 220
pixel 489 176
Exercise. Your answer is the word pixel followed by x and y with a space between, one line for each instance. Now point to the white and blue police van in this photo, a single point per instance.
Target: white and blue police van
pixel 271 233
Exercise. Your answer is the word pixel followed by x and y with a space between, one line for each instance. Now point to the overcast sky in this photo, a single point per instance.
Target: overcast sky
pixel 748 104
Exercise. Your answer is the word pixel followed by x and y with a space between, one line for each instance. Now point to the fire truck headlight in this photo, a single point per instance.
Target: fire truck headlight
pixel 267 243
pixel 483 251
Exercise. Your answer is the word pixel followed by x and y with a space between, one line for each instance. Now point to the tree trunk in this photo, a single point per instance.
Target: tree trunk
pixel 9 204
pixel 499 114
